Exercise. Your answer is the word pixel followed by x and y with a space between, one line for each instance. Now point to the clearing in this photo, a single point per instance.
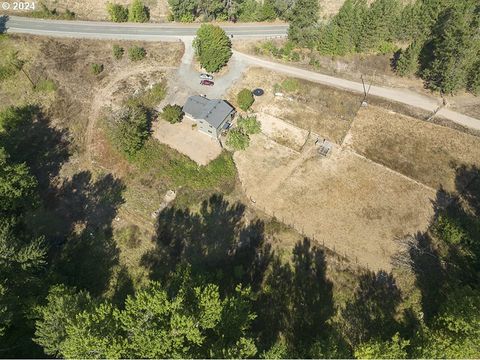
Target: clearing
pixel 426 152
pixel 349 203
pixel 185 138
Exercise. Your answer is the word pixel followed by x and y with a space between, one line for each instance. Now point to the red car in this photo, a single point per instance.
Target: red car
pixel 207 83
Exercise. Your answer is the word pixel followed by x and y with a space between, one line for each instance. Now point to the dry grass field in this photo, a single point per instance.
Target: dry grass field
pixel 349 203
pixel 420 150
pixel 323 110
pixel 97 9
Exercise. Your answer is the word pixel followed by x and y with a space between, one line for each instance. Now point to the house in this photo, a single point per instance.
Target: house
pixel 211 116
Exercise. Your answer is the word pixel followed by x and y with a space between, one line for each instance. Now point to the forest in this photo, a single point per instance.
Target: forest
pixel 231 10
pixel 437 40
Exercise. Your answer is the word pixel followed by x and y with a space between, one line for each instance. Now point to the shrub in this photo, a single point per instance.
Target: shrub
pixel 136 53
pixel 237 140
pixel 249 125
pixel 117 12
pixel 172 113
pixel 96 68
pixel 187 18
pixel 130 130
pixel 10 64
pixel 45 12
pixel 155 95
pixel 212 47
pixel 118 52
pixel 138 12
pixel 245 99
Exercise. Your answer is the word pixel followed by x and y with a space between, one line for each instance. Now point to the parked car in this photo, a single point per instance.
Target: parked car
pixel 207 83
pixel 206 77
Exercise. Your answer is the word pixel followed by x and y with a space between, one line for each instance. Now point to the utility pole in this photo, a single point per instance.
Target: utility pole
pixel 365 91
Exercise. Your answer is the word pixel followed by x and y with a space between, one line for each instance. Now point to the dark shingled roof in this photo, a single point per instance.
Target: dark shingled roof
pixel 213 111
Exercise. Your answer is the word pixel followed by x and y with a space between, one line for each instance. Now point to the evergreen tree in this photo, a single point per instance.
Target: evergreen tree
pixel 267 11
pixel 63 304
pixel 455 48
pixel 474 79
pixel 130 131
pixel 21 254
pixel 117 12
pixel 379 24
pixel 304 27
pixel 183 321
pixel 212 9
pixel 249 10
pixel 408 62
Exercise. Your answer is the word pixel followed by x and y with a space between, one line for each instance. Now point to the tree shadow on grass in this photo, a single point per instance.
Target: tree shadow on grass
pixel 216 241
pixel 371 314
pixel 85 209
pixel 297 301
pixel 448 254
pixel 29 138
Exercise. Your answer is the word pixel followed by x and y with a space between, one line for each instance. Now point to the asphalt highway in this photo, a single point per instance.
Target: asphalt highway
pixel 128 31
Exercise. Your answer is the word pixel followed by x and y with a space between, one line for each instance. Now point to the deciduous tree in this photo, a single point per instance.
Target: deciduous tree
pixel 212 47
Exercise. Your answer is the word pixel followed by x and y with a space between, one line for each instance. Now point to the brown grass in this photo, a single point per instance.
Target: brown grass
pixel 349 203
pixel 323 110
pixel 420 150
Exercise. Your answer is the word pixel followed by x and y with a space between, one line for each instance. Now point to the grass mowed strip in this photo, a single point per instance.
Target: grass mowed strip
pixel 321 109
pixel 423 151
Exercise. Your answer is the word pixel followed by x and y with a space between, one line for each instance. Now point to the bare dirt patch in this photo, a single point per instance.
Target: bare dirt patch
pixel 186 139
pixel 310 106
pixel 420 150
pixel 348 203
pixel 282 132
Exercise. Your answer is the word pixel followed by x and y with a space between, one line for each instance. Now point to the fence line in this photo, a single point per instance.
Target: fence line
pixel 291 224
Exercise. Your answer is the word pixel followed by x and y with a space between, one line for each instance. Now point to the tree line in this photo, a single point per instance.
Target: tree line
pixel 230 10
pixel 439 40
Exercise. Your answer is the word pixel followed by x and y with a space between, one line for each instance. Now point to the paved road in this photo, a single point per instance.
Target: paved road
pixel 150 32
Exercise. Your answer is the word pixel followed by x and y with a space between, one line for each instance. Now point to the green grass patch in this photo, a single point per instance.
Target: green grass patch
pixel 149 98
pixel 290 85
pixel 46 86
pixel 180 171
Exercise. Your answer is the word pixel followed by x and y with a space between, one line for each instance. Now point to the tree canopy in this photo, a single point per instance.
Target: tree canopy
pixel 212 47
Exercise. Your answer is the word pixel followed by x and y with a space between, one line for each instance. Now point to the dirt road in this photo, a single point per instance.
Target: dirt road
pixel 398 95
